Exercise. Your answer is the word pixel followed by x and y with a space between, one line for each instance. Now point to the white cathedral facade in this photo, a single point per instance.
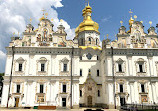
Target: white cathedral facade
pixel 44 68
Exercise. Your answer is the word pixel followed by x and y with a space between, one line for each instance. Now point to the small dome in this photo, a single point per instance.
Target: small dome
pixel 151 29
pixel 122 28
pixel 29 26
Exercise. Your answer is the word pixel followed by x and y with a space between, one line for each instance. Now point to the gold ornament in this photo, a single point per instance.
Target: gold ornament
pixel 46 14
pixel 121 23
pixel 130 12
pixel 30 20
pixel 135 17
pixel 150 22
pixel 107 36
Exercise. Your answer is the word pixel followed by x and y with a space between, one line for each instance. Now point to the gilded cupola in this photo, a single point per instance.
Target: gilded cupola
pixel 88 24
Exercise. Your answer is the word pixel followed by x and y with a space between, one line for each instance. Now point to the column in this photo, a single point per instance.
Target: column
pixel 150 59
pixel 109 66
pixel 154 92
pixel 130 67
pixel 5 93
pixel 111 95
pixel 131 84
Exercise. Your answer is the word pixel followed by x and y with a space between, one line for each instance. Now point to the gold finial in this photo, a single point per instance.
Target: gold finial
pixel 107 36
pixel 104 37
pixel 52 19
pixel 135 17
pixel 121 23
pixel 130 12
pixel 115 37
pixel 43 10
pixel 61 20
pixel 18 33
pixel 141 21
pixel 86 2
pixel 46 14
pixel 150 22
pixel 30 20
pixel 13 34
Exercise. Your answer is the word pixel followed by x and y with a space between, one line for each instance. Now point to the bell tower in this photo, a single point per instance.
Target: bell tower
pixel 87 32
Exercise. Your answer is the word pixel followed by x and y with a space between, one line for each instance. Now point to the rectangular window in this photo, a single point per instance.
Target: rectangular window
pixel 80 57
pixel 98 93
pixel 64 88
pixel 80 93
pixel 140 68
pixel 97 72
pixel 121 88
pixel 97 57
pixel 41 88
pixel 142 88
pixel 20 67
pixel 42 67
pixel 18 89
pixel 120 67
pixel 65 67
pixel 80 72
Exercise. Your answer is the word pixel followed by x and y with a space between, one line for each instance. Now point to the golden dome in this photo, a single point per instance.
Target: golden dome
pixel 88 24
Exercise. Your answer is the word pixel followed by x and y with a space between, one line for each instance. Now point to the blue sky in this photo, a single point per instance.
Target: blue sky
pixel 109 13
pixel 15 15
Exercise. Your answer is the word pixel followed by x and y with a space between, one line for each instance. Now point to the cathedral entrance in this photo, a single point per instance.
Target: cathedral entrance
pixel 64 102
pixel 89 101
pixel 122 101
pixel 16 102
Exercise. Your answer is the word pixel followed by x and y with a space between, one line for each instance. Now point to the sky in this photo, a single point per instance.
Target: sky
pixel 15 15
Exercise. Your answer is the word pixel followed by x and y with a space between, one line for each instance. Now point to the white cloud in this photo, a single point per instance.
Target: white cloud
pixel 106 19
pixel 2 55
pixel 15 15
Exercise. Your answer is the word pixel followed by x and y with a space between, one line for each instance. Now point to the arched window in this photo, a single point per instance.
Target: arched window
pixel 89 40
pixel 98 93
pixel 82 42
pixel 96 41
pixel 80 93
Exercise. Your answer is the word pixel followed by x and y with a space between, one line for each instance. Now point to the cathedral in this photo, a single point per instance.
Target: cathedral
pixel 43 68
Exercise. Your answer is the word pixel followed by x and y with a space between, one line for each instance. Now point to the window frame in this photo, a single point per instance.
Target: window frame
pixel 64 89
pixel 81 72
pixel 41 88
pixel 98 73
pixel 18 88
pixel 121 88
pixel 20 67
pixel 43 67
pixel 65 67
pixel 98 93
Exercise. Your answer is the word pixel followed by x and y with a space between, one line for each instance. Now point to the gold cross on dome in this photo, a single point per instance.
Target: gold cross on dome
pixel 115 37
pixel 135 17
pixel 150 22
pixel 86 2
pixel 107 36
pixel 30 20
pixel 43 10
pixel 61 20
pixel 52 19
pixel 46 14
pixel 13 34
pixel 121 23
pixel 130 12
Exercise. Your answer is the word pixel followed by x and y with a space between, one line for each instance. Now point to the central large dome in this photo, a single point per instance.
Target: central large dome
pixel 88 24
